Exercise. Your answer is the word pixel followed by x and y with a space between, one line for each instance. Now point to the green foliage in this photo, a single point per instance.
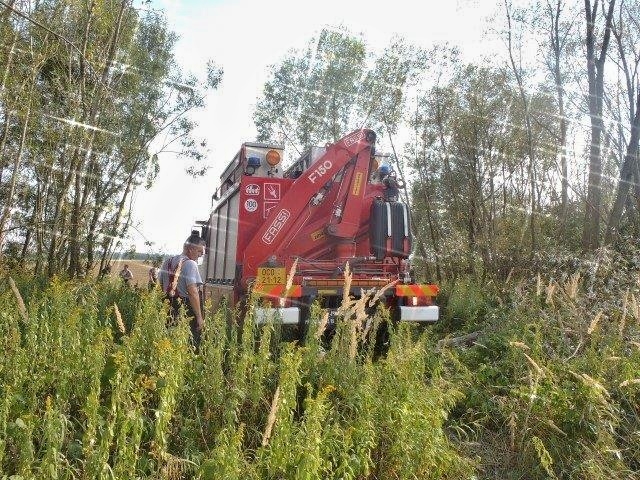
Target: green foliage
pixel 335 85
pixel 312 93
pixel 88 395
pixel 81 102
pixel 464 305
pixel 550 389
pixel 555 375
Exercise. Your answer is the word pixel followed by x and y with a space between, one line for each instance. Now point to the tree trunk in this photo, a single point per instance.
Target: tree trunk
pixel 595 73
pixel 517 71
pixel 555 38
pixel 627 174
pixel 61 200
pixel 98 96
pixel 3 142
pixel 6 212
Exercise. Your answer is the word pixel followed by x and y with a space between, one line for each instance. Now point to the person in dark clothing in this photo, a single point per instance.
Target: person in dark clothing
pixel 390 181
pixel 126 275
pixel 181 282
pixel 105 272
pixel 153 277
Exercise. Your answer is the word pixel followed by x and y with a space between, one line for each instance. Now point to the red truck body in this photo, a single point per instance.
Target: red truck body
pixel 328 209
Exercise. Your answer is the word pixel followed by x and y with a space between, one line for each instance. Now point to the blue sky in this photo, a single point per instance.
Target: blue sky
pixel 245 37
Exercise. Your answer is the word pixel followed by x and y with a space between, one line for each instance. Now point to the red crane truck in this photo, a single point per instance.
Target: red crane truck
pixel 333 206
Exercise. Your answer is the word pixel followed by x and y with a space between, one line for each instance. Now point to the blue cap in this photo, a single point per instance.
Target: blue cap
pixel 384 170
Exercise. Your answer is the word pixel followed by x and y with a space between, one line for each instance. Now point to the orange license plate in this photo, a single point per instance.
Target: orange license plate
pixel 271 276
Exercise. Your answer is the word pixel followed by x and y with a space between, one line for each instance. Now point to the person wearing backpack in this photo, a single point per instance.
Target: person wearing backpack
pixel 181 282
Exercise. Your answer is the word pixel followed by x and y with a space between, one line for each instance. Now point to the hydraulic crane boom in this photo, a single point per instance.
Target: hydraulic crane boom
pixel 285 221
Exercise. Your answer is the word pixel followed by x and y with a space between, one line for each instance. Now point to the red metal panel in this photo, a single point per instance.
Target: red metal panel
pixel 258 197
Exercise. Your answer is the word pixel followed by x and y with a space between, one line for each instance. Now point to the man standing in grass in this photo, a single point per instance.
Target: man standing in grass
pixel 153 277
pixel 180 281
pixel 126 275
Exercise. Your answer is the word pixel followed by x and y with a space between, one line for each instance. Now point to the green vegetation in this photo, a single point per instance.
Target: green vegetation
pixel 90 96
pixel 94 386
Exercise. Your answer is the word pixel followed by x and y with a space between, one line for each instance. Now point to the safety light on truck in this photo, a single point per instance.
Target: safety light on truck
pixel 272 158
pixel 253 163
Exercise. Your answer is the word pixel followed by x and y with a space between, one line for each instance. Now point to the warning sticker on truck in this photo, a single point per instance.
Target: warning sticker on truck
pixel 357 184
pixel 267 207
pixel 317 235
pixel 272 191
pixel 250 205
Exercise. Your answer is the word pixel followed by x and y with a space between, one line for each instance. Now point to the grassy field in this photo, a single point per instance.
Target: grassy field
pixel 93 385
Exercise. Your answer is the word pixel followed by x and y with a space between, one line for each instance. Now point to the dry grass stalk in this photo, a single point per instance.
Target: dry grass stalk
pixel 634 381
pixel 550 289
pixel 591 382
pixel 537 367
pixel 625 304
pixel 594 323
pixel 635 309
pixel 595 384
pixel 512 431
pixel 360 308
pixel 524 346
pixel 556 428
pixel 271 420
pixel 367 326
pixel 509 275
pixel 292 273
pixel 380 292
pixel 538 285
pixel 359 313
pixel 119 321
pixel 463 341
pixel 623 324
pixel 176 468
pixel 21 306
pixel 623 317
pixel 353 339
pixel 346 289
pixel 323 324
pixel 571 286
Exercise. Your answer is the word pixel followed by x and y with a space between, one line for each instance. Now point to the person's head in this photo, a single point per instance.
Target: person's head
pixel 194 247
pixel 126 266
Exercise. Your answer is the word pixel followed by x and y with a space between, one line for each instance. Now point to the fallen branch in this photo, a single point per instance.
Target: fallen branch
pixel 465 340
pixel 21 306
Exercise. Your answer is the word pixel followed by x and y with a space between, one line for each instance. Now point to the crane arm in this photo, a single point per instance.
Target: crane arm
pixel 285 219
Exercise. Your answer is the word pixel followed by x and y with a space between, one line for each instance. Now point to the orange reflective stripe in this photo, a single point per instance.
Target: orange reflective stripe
pixel 278 290
pixel 415 290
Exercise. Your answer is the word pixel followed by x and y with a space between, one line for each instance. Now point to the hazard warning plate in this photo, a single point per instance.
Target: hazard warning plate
pixel 271 276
